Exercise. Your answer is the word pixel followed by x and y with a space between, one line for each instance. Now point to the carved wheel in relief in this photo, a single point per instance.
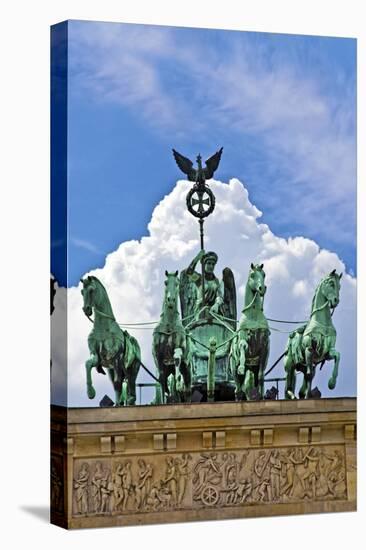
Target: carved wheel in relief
pixel 210 496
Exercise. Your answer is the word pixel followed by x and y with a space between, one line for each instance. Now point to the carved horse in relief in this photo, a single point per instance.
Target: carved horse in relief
pixel 170 346
pixel 314 342
pixel 110 347
pixel 250 349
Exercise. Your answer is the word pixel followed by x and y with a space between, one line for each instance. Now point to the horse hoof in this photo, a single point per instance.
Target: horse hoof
pixel 290 395
pixel 91 392
pixel 331 383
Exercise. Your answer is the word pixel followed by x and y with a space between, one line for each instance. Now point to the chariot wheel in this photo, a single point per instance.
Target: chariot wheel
pixel 210 496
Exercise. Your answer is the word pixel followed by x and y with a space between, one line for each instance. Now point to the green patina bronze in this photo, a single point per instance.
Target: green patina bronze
pixel 208 308
pixel 250 349
pixel 110 347
pixel 314 343
pixel 201 301
pixel 198 347
pixel 170 347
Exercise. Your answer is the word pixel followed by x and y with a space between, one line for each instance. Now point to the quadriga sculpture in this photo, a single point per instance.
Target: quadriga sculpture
pixel 170 346
pixel 314 342
pixel 110 347
pixel 250 349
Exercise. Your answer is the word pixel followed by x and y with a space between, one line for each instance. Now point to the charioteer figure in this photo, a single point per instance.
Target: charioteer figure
pixel 213 298
pixel 218 297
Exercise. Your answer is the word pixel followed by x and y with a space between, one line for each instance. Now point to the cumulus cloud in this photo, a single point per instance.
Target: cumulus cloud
pixel 133 276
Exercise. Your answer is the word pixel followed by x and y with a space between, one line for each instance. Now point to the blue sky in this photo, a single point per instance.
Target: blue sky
pixel 283 107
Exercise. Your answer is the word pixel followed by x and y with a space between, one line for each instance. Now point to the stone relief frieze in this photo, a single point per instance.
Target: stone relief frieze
pixel 186 481
pixel 57 485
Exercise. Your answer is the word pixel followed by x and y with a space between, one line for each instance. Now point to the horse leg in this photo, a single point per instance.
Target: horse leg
pixel 263 359
pixel 303 389
pixel 241 372
pixel 132 372
pixel 334 354
pixel 243 346
pixel 308 374
pixel 90 363
pixel 248 384
pixel 290 377
pixel 187 396
pixel 112 375
pixel 179 385
pixel 233 362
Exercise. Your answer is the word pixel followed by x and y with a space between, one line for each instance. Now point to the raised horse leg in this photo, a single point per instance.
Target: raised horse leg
pixel 90 363
pixel 334 354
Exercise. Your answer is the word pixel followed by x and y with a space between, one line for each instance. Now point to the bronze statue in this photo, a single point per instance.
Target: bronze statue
pixel 314 343
pixel 170 346
pixel 219 297
pixel 110 347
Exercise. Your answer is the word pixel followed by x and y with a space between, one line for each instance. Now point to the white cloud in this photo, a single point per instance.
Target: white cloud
pixel 133 276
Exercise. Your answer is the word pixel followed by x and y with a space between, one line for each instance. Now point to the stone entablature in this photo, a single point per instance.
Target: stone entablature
pixel 202 461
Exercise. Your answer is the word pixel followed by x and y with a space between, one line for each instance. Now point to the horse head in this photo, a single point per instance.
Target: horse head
pixel 171 290
pixel 256 279
pixel 89 292
pixel 330 287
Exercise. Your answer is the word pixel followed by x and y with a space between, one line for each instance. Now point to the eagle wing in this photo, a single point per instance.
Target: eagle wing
pixel 185 165
pixel 212 164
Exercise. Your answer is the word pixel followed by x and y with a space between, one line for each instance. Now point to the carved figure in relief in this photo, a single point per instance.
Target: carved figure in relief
pixel 56 489
pixel 159 498
pixel 183 476
pixel 171 480
pixel 117 486
pixel 275 474
pixel 81 486
pixel 311 475
pixel 288 472
pixel 244 491
pixel 264 490
pixel 336 478
pixel 206 470
pixel 106 491
pixel 97 480
pixel 126 484
pixel 143 486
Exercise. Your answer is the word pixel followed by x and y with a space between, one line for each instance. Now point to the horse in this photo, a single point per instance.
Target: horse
pixel 110 347
pixel 250 348
pixel 170 346
pixel 314 342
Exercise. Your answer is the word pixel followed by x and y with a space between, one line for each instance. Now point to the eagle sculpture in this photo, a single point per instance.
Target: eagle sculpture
pixel 200 175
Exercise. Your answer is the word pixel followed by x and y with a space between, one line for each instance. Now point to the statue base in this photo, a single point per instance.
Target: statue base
pixel 201 461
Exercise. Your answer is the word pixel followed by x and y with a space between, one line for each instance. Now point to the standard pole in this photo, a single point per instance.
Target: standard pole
pixel 200 221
